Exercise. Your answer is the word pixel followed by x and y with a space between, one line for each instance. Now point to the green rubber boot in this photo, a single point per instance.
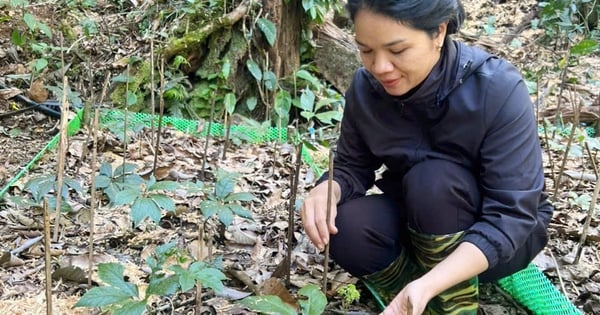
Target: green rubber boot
pixel 429 251
pixel 385 284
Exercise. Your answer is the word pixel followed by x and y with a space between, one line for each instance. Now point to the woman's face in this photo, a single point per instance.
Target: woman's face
pixel 399 56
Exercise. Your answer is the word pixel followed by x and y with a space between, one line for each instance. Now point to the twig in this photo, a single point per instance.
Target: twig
pixel 560 279
pixel 62 148
pixel 291 210
pixel 47 258
pixel 161 110
pixel 93 196
pixel 507 296
pixel 200 258
pixel 590 214
pixel 26 245
pixel 566 154
pixel 227 126
pixel 328 216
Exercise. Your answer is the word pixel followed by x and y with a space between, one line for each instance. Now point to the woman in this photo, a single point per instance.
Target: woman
pixel 463 198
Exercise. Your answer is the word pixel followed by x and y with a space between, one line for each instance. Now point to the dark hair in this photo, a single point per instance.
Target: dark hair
pixel 425 15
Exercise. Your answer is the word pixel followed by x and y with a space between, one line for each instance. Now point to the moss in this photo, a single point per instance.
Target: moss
pixel 139 77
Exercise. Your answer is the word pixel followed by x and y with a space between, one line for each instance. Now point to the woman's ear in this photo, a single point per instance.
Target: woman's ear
pixel 441 35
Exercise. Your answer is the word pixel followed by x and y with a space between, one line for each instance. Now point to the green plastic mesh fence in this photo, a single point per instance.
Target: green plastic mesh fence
pixel 534 291
pixel 530 287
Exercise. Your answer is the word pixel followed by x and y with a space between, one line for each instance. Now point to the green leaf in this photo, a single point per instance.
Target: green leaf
pixel 326 117
pixel 186 278
pixel 164 202
pixel 105 169
pixel 210 277
pixel 308 4
pixel 102 296
pixel 269 29
pixel 584 47
pixel 166 185
pixel 45 30
pixel 127 196
pixel 307 100
pixel 225 184
pixel 131 308
pixel 316 302
pixel 254 69
pixel 229 101
pixel 40 64
pixel 268 304
pixel 307 115
pixel 305 75
pixel 112 274
pixel 123 169
pixel 239 210
pixel 17 38
pixel 226 69
pixel 144 207
pixel 163 286
pixel 251 103
pixel 210 207
pixel 269 80
pixel 240 196
pixel 225 215
pixel 283 103
pixel 30 21
pixel 131 98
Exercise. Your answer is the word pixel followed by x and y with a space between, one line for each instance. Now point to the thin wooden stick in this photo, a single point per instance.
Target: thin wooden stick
pixel 328 217
pixel 62 148
pixel 47 258
pixel 93 196
pixel 152 101
pixel 161 110
pixel 210 120
pixel 566 154
pixel 125 121
pixel 560 279
pixel 200 258
pixel 291 209
pixel 590 214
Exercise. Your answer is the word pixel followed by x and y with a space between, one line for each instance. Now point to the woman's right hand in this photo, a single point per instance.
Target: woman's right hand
pixel 314 214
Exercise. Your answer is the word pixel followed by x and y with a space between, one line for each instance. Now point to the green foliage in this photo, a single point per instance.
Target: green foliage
pixel 564 20
pixel 119 296
pixel 146 200
pixel 116 125
pixel 313 304
pixel 317 9
pixel 268 29
pixel 41 186
pixel 224 202
pixel 349 295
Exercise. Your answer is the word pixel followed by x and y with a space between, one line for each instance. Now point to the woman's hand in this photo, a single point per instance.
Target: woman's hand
pixel 314 214
pixel 412 300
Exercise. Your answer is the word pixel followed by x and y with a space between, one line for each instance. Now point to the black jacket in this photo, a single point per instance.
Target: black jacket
pixel 474 110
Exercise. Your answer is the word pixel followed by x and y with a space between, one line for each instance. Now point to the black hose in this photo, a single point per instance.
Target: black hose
pixel 32 105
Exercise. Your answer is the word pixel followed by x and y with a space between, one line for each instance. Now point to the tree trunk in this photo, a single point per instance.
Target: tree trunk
pixel 284 56
pixel 336 55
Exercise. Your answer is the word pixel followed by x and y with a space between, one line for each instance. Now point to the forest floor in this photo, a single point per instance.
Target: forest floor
pixel 253 252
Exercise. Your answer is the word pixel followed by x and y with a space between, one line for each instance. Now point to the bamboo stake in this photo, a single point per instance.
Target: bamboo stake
pixel 291 209
pixel 93 196
pixel 328 217
pixel 47 258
